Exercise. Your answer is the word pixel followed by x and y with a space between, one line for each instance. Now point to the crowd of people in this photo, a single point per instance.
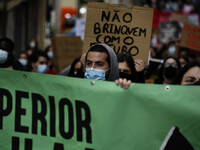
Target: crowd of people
pixel 102 63
pixel 186 6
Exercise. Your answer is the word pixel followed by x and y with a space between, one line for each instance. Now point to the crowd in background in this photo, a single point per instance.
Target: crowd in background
pixel 186 6
pixel 169 62
pixel 175 62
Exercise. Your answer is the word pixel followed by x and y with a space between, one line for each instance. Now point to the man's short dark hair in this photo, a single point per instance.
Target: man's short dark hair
pixel 101 49
pixel 36 54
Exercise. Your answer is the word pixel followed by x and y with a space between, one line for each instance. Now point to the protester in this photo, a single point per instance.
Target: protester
pixel 29 51
pixel 101 64
pixel 38 62
pixel 183 60
pixel 49 53
pixel 7 59
pixel 81 71
pixel 168 71
pixel 31 47
pixel 190 74
pixel 130 69
pixel 75 67
pixel 33 44
pixel 23 59
pixel 169 49
pixel 183 51
pixel 172 49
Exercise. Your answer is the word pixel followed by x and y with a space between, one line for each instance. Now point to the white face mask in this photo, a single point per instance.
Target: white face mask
pixel 32 44
pixel 23 61
pixel 42 68
pixel 3 56
pixel 172 50
pixel 50 54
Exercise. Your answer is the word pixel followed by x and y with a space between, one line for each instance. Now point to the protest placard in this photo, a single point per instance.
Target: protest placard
pixel 45 112
pixel 123 29
pixel 190 37
pixel 181 18
pixel 65 50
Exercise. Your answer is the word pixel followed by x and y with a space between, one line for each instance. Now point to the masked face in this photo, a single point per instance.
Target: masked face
pixel 42 68
pixel 23 61
pixel 170 69
pixel 50 54
pixel 124 71
pixel 170 72
pixel 96 66
pixel 3 56
pixel 172 50
pixel 95 74
pixel 32 44
pixel 41 65
pixel 126 76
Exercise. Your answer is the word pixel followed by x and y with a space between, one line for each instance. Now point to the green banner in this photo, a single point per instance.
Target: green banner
pixel 46 112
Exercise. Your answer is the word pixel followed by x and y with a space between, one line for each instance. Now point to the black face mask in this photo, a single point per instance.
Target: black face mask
pixel 125 75
pixel 196 83
pixel 170 72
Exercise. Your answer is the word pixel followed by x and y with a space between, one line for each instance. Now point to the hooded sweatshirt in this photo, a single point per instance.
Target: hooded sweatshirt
pixel 113 68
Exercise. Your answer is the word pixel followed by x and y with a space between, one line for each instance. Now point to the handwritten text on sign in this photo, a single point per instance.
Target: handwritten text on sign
pixel 123 29
pixel 115 31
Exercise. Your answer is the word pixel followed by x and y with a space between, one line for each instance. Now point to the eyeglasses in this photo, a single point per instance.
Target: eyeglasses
pixel 170 64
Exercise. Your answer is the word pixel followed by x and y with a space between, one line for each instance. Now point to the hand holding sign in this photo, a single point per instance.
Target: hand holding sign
pixel 124 83
pixel 139 65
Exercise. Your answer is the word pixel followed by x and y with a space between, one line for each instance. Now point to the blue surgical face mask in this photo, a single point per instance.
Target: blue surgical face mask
pixel 50 54
pixel 3 56
pixel 42 68
pixel 23 61
pixel 95 74
pixel 172 50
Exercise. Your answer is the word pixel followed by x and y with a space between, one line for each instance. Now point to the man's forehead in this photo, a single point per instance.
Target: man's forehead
pixel 97 56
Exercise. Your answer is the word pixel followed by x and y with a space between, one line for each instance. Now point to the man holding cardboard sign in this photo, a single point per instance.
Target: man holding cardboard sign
pixel 123 29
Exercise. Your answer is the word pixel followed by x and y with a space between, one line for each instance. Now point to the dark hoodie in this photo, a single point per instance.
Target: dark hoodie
pixel 113 68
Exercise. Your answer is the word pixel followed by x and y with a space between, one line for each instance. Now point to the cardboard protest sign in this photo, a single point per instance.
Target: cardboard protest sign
pixel 123 29
pixel 45 112
pixel 179 17
pixel 191 37
pixel 65 50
